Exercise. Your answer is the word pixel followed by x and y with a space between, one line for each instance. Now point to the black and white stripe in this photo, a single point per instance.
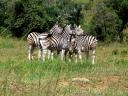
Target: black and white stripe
pixel 62 41
pixel 82 42
pixel 55 30
pixel 33 42
pixel 58 42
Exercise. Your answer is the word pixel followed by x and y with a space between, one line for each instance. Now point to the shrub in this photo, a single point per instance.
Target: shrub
pixel 5 32
pixel 102 22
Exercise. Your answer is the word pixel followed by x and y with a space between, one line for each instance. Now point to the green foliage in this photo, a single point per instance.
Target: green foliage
pixel 5 32
pixel 102 21
pixel 3 15
pixel 104 18
pixel 125 35
pixel 121 8
pixel 35 15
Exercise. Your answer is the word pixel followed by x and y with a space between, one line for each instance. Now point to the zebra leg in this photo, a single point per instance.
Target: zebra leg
pixel 52 55
pixel 44 47
pixel 87 54
pixel 30 51
pixel 58 52
pixel 80 56
pixel 44 51
pixel 93 55
pixel 49 54
pixel 39 53
pixel 44 54
pixel 76 58
pixel 70 56
pixel 62 54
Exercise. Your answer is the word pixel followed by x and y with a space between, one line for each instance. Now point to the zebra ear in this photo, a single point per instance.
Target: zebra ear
pixel 69 25
pixel 79 26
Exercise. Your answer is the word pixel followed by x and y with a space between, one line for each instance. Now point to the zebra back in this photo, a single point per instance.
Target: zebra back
pixel 86 42
pixel 82 40
pixel 59 41
pixel 32 38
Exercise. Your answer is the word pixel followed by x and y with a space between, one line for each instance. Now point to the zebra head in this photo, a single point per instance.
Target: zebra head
pixel 65 37
pixel 72 42
pixel 78 30
pixel 56 29
pixel 67 29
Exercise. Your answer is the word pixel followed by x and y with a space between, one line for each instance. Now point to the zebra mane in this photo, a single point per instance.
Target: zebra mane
pixel 63 29
pixel 84 34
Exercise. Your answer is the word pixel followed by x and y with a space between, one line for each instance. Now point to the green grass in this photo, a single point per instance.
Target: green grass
pixel 21 77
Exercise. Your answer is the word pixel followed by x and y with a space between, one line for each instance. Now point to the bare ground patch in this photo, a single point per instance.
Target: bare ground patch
pixel 80 83
pixel 101 84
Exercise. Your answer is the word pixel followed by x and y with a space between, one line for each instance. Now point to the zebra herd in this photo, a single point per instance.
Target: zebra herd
pixel 66 41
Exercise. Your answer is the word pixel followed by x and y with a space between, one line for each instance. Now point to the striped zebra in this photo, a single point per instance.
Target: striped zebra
pixel 56 29
pixel 78 30
pixel 58 42
pixel 33 40
pixel 84 43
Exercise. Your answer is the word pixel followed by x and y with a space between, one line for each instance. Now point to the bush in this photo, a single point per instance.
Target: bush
pixel 5 32
pixel 102 22
pixel 35 15
pixel 105 19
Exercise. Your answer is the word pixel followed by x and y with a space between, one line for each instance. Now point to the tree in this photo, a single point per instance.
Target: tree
pixel 101 21
pixel 37 15
pixel 121 8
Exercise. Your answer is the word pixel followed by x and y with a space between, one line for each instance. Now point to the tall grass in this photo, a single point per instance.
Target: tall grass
pixel 21 77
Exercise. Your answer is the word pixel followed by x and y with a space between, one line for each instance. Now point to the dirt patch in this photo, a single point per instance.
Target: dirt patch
pixel 63 83
pixel 18 87
pixel 105 82
pixel 112 79
pixel 102 84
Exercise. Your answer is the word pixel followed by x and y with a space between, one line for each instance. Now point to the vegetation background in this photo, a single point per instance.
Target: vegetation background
pixel 105 19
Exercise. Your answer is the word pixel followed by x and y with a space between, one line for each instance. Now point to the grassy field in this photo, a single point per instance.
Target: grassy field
pixel 21 77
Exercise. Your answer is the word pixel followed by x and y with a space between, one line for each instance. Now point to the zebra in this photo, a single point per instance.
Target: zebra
pixel 58 42
pixel 55 30
pixel 33 40
pixel 83 42
pixel 78 30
